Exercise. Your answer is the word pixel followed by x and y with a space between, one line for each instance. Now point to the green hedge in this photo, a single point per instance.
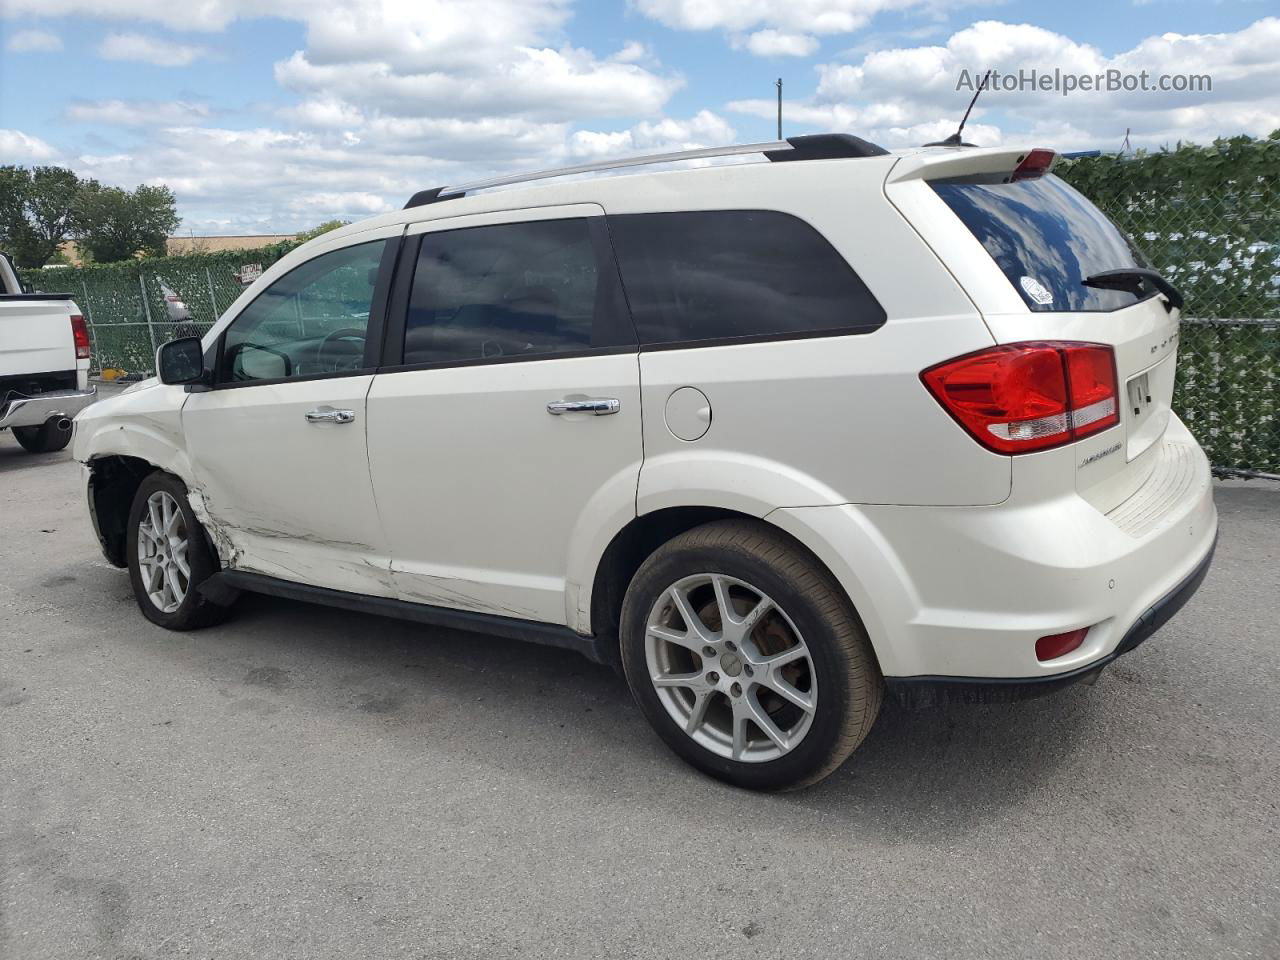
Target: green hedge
pixel 1208 218
pixel 124 325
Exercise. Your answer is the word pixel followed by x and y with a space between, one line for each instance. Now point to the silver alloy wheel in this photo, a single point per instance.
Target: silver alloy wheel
pixel 730 667
pixel 162 552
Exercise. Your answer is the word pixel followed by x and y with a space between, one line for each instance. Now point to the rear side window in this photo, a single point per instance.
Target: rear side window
pixel 732 274
pixel 511 291
pixel 1047 238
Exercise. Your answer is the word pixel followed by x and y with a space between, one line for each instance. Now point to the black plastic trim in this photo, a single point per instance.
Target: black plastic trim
pixel 932 691
pixel 424 197
pixel 532 631
pixel 36 296
pixel 826 146
pixel 758 338
pixel 492 361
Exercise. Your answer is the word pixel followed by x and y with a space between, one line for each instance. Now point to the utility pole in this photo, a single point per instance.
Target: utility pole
pixel 778 84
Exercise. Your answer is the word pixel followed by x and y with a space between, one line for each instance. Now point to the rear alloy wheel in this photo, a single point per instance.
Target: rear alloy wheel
pixel 732 671
pixel 170 556
pixel 747 658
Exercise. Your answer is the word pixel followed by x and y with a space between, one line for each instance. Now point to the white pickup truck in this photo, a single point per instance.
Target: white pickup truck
pixel 44 364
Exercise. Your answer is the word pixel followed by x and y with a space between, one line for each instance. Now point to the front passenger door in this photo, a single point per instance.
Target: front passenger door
pixel 278 445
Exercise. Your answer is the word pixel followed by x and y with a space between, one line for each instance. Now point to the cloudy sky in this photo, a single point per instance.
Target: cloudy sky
pixel 272 116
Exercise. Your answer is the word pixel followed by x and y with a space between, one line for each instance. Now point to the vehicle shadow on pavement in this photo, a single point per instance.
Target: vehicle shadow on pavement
pixel 556 719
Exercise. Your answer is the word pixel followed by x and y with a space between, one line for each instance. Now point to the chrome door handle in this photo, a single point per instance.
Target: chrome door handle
pixel 600 406
pixel 329 415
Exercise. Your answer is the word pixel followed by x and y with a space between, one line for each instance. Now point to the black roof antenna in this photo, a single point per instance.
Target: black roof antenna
pixel 954 140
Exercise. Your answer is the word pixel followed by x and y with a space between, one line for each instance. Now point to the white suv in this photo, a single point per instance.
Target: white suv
pixel 775 437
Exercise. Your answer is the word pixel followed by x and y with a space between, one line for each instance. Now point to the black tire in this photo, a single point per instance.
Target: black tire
pixel 195 610
pixel 850 686
pixel 46 438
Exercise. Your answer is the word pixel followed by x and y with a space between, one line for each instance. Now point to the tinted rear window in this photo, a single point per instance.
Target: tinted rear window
pixel 725 274
pixel 1047 238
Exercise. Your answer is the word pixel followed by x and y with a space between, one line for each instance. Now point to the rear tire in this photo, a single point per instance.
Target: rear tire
pixel 170 556
pixel 46 438
pixel 772 700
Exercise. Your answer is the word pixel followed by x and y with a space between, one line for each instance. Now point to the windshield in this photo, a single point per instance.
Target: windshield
pixel 1047 238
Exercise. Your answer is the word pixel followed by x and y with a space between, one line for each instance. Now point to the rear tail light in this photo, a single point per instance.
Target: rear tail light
pixel 1060 644
pixel 1035 164
pixel 80 332
pixel 1021 397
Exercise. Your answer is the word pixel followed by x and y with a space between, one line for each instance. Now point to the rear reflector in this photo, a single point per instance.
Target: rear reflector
pixel 1060 644
pixel 1021 397
pixel 80 333
pixel 1034 164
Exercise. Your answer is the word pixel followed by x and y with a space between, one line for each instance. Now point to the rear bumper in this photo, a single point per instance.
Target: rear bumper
pixel 965 592
pixel 935 691
pixel 33 411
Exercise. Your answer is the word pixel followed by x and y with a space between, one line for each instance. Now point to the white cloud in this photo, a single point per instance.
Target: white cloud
pixel 782 29
pixel 34 41
pixel 149 49
pixel 18 147
pixel 705 129
pixel 137 113
pixel 775 43
pixel 899 95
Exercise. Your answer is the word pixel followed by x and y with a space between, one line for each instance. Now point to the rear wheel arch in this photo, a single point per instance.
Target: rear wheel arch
pixel 632 545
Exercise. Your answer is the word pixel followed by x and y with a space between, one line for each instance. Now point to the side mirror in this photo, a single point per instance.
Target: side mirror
pixel 181 361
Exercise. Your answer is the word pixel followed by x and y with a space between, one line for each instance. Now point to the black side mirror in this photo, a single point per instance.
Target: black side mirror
pixel 181 361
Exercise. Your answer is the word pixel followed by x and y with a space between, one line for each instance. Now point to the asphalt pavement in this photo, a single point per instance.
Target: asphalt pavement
pixel 304 782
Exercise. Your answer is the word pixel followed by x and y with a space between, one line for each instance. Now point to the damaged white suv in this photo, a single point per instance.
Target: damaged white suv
pixel 777 438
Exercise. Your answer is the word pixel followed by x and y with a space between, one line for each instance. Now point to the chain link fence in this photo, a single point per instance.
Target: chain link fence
pixel 1208 218
pixel 132 308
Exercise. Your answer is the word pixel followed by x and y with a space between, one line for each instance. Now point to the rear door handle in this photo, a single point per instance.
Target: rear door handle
pixel 600 406
pixel 330 415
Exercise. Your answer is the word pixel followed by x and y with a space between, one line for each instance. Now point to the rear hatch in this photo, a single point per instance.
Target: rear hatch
pixel 36 335
pixel 1022 244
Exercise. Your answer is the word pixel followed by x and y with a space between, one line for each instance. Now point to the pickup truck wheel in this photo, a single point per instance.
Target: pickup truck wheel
pixel 170 556
pixel 46 438
pixel 747 658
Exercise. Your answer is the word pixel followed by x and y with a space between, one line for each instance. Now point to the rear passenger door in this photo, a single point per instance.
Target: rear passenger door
pixel 505 423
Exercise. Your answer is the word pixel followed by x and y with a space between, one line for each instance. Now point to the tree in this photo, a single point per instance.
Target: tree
pixel 37 211
pixel 321 228
pixel 112 224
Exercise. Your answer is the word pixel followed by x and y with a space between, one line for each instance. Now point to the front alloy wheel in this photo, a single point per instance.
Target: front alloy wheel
pixel 169 556
pixel 162 552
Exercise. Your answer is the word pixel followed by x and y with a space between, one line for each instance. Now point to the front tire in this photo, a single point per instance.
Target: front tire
pixel 747 658
pixel 46 438
pixel 170 556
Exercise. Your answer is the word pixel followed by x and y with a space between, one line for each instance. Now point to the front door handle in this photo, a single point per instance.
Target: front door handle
pixel 600 406
pixel 330 415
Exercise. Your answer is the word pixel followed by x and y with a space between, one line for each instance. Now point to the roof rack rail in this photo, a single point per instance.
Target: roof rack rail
pixel 818 146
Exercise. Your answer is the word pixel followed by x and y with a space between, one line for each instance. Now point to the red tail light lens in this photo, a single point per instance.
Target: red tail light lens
pixel 80 332
pixel 1021 397
pixel 1060 644
pixel 1034 164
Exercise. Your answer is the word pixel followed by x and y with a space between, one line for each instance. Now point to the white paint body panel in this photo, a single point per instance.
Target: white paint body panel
pixel 472 496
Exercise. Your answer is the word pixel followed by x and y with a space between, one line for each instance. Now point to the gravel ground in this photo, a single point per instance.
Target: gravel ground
pixel 302 782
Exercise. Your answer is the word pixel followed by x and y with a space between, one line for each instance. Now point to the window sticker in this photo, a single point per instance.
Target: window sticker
pixel 1036 290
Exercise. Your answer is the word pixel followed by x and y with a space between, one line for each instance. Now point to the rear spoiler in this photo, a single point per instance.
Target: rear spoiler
pixel 954 162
